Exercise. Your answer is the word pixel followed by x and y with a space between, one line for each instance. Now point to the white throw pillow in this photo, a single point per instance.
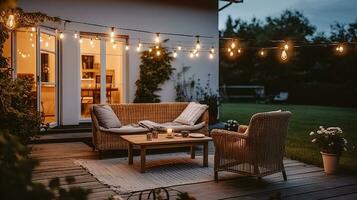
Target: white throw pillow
pixel 191 114
pixel 106 116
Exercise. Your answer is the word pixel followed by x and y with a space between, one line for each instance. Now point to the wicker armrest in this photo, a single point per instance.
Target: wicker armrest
pixel 242 128
pixel 228 134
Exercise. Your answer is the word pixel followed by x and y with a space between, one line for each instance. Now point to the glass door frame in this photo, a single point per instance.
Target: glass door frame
pixel 103 39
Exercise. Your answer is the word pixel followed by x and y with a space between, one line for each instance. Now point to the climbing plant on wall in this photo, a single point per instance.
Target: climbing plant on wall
pixel 155 69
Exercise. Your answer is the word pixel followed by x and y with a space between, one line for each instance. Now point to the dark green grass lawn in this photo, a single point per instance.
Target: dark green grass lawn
pixel 304 120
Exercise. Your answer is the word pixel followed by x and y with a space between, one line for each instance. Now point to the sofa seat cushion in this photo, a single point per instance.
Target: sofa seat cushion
pixel 106 116
pixel 126 129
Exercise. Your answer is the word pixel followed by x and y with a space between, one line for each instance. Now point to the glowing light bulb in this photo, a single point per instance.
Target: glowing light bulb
pixel 75 35
pixel 31 34
pixel 233 45
pixel 157 38
pixel 339 49
pixel 231 53
pixel 91 42
pixel 179 47
pixel 127 47
pixel 112 33
pixel 61 35
pixel 138 48
pixel 157 47
pixel 46 44
pixel 284 55
pixel 239 51
pixel 175 54
pixel 41 40
pixel 191 54
pixel 286 47
pixel 198 45
pixel 114 45
pixel 112 40
pixel 212 50
pixel 211 56
pixel 150 50
pixel 229 49
pixel 197 54
pixel 158 52
pixel 33 45
pixel 81 41
pixel 262 53
pixel 10 23
pixel 33 29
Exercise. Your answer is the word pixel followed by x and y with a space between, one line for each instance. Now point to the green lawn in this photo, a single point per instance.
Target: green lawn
pixel 304 120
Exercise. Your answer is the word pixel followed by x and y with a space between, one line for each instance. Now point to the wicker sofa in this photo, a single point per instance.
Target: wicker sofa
pixel 133 113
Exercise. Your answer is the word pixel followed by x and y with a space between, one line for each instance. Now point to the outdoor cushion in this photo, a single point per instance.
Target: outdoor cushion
pixel 125 129
pixel 191 114
pixel 106 116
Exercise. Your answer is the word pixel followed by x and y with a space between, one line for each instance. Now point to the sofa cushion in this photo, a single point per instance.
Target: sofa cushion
pixel 125 129
pixel 106 116
pixel 191 114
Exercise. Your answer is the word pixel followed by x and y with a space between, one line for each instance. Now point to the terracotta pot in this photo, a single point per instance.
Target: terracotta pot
pixel 330 162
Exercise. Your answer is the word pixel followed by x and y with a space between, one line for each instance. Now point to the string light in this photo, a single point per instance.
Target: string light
pixel 179 47
pixel 233 44
pixel 191 54
pixel 262 53
pixel 158 52
pixel 46 44
pixel 114 45
pixel 229 50
pixel 127 47
pixel 239 51
pixel 211 56
pixel 91 42
pixel 33 29
pixel 212 50
pixel 231 54
pixel 198 45
pixel 80 40
pixel 112 33
pixel 150 50
pixel 286 47
pixel 197 54
pixel 11 23
pixel 284 55
pixel 33 45
pixel 138 48
pixel 175 54
pixel 340 49
pixel 61 35
pixel 75 35
pixel 157 38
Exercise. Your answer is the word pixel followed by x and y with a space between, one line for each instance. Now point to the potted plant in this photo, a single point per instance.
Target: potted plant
pixel 331 143
pixel 232 125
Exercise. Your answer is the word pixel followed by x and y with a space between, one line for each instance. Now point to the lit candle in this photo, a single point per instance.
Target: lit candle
pixel 169 132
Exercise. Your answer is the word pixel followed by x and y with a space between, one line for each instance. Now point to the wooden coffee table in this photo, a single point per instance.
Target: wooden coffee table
pixel 139 141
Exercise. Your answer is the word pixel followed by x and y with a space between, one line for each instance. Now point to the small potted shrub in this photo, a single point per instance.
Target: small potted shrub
pixel 331 144
pixel 231 125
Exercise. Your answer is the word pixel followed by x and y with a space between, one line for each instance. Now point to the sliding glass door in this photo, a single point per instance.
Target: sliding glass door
pixel 101 72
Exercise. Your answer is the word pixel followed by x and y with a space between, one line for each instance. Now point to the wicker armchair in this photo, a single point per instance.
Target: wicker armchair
pixel 255 150
pixel 133 113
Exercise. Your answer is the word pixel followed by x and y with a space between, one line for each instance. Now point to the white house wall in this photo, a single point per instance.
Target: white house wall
pixel 186 16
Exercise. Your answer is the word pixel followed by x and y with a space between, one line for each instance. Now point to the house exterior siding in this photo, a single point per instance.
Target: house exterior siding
pixel 187 17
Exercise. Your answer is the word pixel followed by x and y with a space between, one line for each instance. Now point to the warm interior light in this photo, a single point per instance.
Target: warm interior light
pixel 158 52
pixel 114 45
pixel 229 49
pixel 33 29
pixel 239 51
pixel 91 41
pixel 340 49
pixel 231 53
pixel 10 23
pixel 81 40
pixel 61 35
pixel 150 50
pixel 262 53
pixel 233 44
pixel 127 47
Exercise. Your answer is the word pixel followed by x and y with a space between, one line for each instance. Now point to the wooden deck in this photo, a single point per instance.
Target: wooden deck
pixel 304 181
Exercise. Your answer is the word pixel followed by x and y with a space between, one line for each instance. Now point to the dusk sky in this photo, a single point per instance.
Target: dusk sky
pixel 321 13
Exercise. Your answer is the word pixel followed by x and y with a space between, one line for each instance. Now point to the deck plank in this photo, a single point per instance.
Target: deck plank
pixel 304 181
